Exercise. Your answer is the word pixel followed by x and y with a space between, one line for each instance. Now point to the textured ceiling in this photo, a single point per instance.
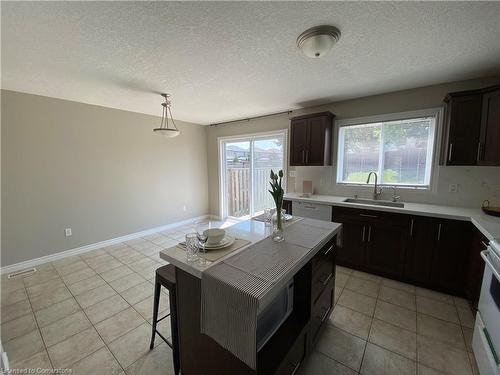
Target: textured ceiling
pixel 223 61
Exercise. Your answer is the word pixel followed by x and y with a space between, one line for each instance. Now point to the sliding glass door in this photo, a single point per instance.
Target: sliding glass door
pixel 246 163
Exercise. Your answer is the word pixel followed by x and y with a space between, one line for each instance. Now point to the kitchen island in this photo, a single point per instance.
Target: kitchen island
pixel 313 276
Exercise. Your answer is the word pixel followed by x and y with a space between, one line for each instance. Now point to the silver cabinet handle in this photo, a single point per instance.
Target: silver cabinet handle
pixel 369 233
pixel 311 207
pixel 363 236
pixel 328 278
pixel 328 251
pixel 366 215
pixel 411 228
pixel 296 367
pixel 303 156
pixel 478 157
pixel 450 151
pixel 439 232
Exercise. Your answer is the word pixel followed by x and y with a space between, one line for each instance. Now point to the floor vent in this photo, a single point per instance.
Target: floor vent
pixel 21 273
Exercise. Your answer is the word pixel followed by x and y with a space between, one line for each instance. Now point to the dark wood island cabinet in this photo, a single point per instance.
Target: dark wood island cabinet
pixel 313 301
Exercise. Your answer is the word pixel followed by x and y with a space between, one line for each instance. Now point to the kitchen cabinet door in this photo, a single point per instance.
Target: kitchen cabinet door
pixel 475 268
pixel 287 205
pixel 299 139
pixel 385 249
pixel 448 271
pixel 352 251
pixel 320 138
pixel 463 124
pixel 489 153
pixel 311 139
pixel 421 246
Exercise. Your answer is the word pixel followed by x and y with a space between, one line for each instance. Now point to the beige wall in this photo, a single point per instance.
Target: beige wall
pixel 476 183
pixel 100 171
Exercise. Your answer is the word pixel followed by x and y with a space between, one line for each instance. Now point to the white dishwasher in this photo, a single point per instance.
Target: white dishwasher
pixel 312 210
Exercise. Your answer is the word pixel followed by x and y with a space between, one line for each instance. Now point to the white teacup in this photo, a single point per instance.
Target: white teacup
pixel 214 235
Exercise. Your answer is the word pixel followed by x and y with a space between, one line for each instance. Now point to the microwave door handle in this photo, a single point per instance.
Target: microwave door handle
pixel 485 255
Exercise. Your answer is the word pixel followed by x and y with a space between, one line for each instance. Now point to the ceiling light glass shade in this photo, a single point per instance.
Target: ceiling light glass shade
pixel 167 133
pixel 318 41
pixel 165 130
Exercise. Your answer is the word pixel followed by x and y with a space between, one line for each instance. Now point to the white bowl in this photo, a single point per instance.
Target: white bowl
pixel 215 235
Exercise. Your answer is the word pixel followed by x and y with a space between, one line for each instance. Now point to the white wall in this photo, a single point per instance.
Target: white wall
pixel 101 171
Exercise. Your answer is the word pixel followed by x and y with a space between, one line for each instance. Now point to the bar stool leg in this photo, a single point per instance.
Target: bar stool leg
pixel 155 312
pixel 173 329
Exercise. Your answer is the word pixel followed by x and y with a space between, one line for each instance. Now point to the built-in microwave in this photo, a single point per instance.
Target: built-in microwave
pixel 274 314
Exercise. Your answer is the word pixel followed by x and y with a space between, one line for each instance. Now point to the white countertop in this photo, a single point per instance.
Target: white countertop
pixel 488 225
pixel 253 231
pixel 250 230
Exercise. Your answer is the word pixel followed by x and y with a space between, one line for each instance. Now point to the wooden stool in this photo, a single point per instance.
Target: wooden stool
pixel 165 276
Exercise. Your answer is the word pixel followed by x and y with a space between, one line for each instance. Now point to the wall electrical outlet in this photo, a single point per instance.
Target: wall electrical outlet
pixel 67 232
pixel 292 174
pixel 453 188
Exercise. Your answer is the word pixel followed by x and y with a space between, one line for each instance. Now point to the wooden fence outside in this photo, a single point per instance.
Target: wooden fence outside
pixel 238 190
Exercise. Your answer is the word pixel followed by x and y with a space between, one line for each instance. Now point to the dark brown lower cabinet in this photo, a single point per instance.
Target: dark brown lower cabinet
pixel 372 241
pixel 429 252
pixel 352 252
pixel 385 248
pixel 475 269
pixel 420 250
pixel 449 266
pixel 287 205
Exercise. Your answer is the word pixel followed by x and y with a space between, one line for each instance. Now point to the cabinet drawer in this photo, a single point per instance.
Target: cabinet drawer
pixel 321 278
pixel 294 358
pixel 327 253
pixel 312 210
pixel 341 214
pixel 321 310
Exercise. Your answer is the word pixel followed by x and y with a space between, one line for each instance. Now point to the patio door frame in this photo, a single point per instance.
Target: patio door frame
pixel 221 156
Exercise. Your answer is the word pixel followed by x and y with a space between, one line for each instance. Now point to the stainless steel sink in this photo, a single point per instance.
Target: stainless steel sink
pixel 375 202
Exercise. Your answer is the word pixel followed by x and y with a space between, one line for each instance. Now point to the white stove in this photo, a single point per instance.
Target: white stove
pixel 486 338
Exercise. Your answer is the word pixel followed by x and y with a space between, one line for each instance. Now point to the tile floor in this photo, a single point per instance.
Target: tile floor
pixel 92 313
pixel 384 327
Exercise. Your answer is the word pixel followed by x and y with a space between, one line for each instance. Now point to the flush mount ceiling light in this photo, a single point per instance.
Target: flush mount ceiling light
pixel 164 129
pixel 318 41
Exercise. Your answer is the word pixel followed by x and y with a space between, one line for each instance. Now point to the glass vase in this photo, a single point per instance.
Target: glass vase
pixel 278 235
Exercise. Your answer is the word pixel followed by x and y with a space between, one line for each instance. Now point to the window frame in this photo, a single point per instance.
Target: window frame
pixel 437 113
pixel 221 158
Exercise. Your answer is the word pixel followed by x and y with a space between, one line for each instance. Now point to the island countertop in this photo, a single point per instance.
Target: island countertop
pixel 253 231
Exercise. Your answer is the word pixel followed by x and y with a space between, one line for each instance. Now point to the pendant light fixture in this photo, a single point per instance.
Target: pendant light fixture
pixel 164 129
pixel 318 41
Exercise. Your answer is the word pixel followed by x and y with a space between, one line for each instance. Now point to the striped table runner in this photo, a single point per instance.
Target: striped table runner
pixel 231 291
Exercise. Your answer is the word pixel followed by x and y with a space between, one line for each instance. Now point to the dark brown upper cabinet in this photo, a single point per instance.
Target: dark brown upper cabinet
pixel 463 122
pixel 472 128
pixel 311 139
pixel 489 137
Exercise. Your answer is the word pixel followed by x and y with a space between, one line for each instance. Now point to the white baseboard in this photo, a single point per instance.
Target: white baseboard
pixel 83 249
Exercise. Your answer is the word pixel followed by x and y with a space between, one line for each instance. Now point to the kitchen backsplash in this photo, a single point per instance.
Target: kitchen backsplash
pixel 475 184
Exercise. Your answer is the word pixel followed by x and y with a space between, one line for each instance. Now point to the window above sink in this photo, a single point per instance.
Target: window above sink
pixel 399 147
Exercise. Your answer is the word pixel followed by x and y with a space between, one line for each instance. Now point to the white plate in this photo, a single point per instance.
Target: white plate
pixel 226 241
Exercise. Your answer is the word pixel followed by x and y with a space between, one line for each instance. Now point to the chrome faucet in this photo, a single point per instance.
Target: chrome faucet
pixel 395 197
pixel 376 190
